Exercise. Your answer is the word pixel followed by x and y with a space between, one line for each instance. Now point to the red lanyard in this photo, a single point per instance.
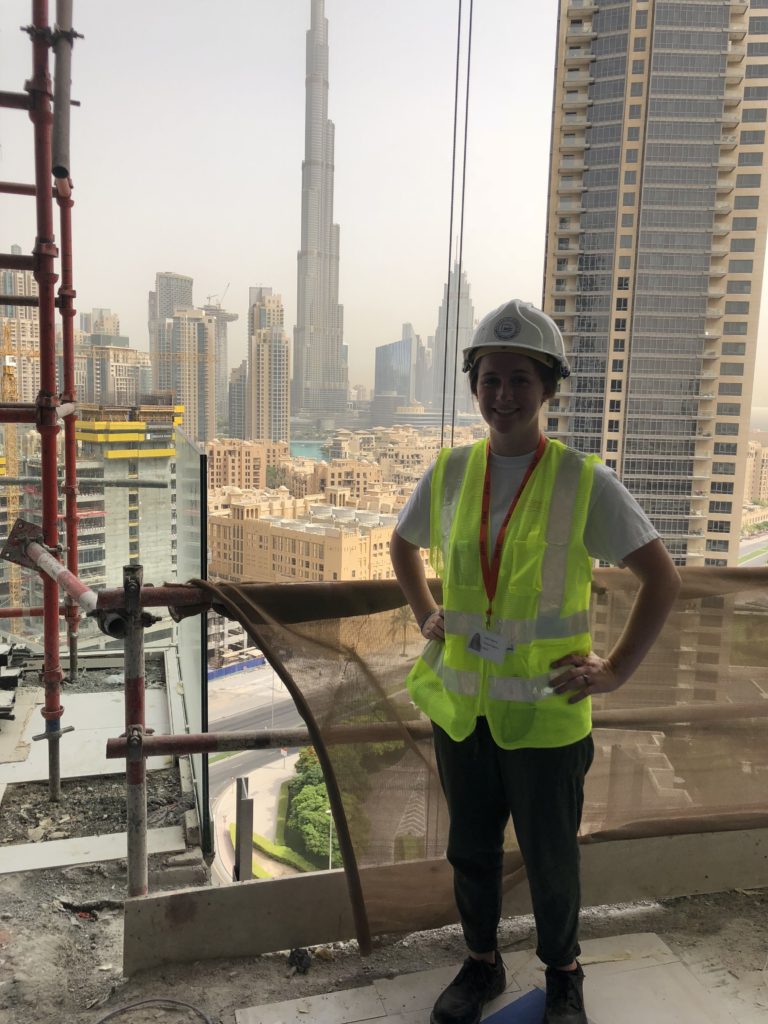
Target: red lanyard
pixel 491 570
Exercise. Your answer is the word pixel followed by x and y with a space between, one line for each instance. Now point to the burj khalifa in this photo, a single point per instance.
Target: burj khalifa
pixel 319 367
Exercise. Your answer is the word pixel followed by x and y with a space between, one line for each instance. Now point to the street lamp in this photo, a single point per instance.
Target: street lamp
pixel 330 838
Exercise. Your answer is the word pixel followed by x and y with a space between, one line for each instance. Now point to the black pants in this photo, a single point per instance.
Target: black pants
pixel 543 790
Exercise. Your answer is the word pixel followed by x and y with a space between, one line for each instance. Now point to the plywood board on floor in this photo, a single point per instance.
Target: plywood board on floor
pixel 59 853
pixel 96 717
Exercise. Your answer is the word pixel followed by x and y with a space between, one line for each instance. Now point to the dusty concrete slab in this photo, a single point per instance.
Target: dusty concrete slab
pixel 14 733
pixel 84 850
pixel 96 718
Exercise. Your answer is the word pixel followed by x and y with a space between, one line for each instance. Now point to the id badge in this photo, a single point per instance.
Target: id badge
pixel 490 646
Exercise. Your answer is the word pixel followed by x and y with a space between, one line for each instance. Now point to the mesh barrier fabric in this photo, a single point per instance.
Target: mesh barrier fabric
pixel 682 747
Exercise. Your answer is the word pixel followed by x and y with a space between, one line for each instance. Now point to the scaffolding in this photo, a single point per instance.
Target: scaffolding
pixel 49 112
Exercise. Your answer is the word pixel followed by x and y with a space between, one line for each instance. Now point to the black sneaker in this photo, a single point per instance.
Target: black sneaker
pixel 476 984
pixel 565 1000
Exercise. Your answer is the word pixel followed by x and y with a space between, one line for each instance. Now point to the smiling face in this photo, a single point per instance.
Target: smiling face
pixel 510 392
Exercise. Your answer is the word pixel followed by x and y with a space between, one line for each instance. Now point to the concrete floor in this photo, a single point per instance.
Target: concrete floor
pixel 631 979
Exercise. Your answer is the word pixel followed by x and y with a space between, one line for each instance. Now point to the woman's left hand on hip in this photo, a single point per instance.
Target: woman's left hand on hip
pixel 584 675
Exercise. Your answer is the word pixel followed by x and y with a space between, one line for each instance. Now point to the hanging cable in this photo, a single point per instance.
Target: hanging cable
pixel 447 348
pixel 461 220
pixel 450 221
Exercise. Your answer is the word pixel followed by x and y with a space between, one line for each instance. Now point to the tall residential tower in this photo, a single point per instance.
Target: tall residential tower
pixel 655 251
pixel 267 409
pixel 319 367
pixel 455 325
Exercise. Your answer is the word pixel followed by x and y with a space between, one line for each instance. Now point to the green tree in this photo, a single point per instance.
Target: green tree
pixel 310 816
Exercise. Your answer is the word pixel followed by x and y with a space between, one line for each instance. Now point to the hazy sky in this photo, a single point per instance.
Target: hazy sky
pixel 186 155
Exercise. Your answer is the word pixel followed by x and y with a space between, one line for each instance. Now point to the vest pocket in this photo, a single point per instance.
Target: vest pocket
pixel 524 574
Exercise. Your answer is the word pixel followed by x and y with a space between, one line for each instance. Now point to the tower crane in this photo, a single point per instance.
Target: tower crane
pixel 218 296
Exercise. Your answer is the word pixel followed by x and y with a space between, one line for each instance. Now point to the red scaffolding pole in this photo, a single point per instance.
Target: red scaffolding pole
pixel 38 100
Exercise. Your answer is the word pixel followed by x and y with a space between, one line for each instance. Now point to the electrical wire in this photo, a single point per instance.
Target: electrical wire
pixel 461 221
pixel 447 348
pixel 156 1002
pixel 450 220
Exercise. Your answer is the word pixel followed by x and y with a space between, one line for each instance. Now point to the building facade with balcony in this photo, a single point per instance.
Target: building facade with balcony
pixel 655 252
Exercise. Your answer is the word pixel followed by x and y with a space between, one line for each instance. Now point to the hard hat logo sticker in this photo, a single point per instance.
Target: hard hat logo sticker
pixel 507 328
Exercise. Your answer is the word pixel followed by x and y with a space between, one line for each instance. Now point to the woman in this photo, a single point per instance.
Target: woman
pixel 513 524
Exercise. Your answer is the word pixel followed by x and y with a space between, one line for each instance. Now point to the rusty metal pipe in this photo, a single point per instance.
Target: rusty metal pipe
pixel 26 613
pixel 381 732
pixel 168 596
pixel 17 261
pixel 17 188
pixel 68 408
pixel 136 769
pixel 19 300
pixel 45 252
pixel 18 412
pixel 15 100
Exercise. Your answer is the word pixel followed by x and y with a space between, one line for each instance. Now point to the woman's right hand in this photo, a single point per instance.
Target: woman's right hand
pixel 433 627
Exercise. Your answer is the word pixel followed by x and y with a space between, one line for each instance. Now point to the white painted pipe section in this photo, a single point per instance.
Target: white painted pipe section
pixel 69 583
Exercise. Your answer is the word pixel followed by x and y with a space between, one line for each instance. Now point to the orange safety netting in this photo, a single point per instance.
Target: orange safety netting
pixel 680 748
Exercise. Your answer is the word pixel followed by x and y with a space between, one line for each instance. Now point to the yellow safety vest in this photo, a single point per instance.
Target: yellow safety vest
pixel 541 606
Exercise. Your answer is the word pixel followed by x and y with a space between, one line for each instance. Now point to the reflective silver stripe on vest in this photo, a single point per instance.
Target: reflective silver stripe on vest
pixel 521 631
pixel 554 566
pixel 499 687
pixel 514 688
pixel 453 480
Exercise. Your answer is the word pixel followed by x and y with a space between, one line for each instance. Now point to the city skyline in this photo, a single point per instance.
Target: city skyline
pixel 230 214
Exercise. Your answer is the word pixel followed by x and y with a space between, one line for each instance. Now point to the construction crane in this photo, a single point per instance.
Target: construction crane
pixel 9 393
pixel 219 297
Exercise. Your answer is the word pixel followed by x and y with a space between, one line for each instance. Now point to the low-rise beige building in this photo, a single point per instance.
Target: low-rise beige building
pixel 275 538
pixel 244 464
pixel 756 474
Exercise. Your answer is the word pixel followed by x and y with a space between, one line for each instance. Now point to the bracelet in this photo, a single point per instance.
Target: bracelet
pixel 426 619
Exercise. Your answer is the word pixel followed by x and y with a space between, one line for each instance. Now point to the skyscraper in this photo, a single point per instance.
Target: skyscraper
pixel 655 252
pixel 238 391
pixel 455 324
pixel 395 367
pixel 186 364
pixel 172 292
pixel 22 324
pixel 221 318
pixel 319 367
pixel 267 410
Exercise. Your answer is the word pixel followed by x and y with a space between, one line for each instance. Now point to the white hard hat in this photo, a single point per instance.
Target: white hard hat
pixel 518 327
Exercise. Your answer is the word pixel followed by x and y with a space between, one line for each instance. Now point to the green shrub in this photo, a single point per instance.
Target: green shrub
pixel 282 813
pixel 409 848
pixel 282 854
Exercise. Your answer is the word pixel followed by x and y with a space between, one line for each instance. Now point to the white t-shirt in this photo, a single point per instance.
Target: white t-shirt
pixel 616 525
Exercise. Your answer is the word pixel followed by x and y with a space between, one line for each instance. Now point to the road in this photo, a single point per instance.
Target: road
pixel 280 715
pixel 221 776
pixel 245 702
pixel 754 552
